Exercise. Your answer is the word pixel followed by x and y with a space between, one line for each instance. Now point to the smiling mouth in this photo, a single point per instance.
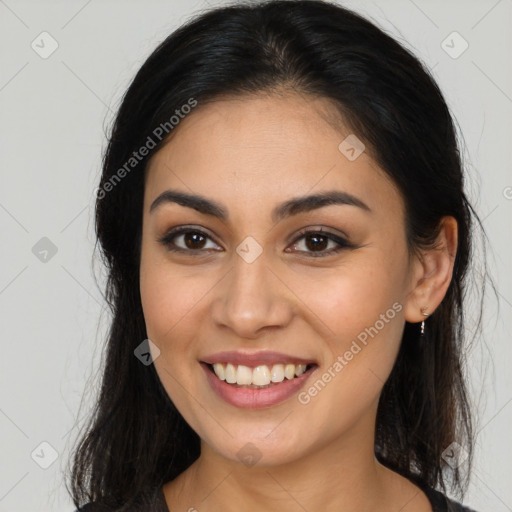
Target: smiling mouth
pixel 259 377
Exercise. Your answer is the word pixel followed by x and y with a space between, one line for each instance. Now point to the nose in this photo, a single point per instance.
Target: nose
pixel 251 299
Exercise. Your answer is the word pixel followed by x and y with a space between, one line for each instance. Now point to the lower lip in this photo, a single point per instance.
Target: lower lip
pixel 252 398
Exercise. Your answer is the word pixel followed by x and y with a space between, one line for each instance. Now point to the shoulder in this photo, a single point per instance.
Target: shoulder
pixel 98 507
pixel 150 501
pixel 93 507
pixel 440 503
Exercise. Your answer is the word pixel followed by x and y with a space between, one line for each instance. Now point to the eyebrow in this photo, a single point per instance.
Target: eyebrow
pixel 291 207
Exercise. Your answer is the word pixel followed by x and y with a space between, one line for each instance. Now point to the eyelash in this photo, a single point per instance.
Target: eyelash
pixel 343 244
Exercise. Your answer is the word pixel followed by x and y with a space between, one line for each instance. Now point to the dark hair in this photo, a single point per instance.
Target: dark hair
pixel 136 439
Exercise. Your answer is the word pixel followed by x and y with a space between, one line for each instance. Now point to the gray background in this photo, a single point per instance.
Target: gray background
pixel 54 111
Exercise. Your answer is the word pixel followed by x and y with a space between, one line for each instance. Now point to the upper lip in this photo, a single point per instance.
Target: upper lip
pixel 255 358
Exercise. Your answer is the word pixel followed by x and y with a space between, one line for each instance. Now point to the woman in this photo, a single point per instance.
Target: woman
pixel 283 218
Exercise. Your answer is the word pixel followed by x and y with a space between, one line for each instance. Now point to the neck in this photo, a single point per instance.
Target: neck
pixel 340 474
pixel 321 481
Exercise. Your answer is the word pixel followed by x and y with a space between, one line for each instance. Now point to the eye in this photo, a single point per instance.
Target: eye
pixel 186 239
pixel 316 241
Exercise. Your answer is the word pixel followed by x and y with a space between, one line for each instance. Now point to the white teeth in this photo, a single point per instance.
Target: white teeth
pixel 289 371
pixel 230 374
pixel 277 373
pixel 219 371
pixel 243 375
pixel 259 376
pixel 300 369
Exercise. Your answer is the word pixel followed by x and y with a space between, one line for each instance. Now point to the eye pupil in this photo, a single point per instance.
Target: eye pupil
pixel 316 245
pixel 191 238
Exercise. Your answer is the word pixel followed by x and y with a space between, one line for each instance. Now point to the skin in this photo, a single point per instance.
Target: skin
pixel 250 154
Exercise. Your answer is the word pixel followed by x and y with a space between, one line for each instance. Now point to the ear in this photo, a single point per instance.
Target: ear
pixel 431 273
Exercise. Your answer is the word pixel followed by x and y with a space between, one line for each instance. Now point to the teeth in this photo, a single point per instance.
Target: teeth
pixel 300 369
pixel 219 371
pixel 277 373
pixel 289 371
pixel 230 374
pixel 243 375
pixel 260 376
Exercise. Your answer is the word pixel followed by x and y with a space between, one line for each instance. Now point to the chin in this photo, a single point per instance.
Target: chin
pixel 257 448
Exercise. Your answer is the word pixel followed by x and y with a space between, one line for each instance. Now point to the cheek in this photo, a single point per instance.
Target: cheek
pixel 168 302
pixel 168 297
pixel 363 311
pixel 362 308
pixel 350 301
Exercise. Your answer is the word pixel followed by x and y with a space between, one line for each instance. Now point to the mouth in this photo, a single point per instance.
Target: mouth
pixel 259 386
pixel 260 377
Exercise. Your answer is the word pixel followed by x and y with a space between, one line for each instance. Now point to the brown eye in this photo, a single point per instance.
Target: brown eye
pixel 315 243
pixel 187 240
pixel 194 240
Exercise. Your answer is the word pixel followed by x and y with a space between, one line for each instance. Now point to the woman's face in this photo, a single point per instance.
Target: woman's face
pixel 246 289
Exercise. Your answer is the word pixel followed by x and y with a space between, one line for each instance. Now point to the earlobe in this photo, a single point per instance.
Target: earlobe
pixel 432 273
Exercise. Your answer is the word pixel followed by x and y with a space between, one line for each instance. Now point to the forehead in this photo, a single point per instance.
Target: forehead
pixel 264 148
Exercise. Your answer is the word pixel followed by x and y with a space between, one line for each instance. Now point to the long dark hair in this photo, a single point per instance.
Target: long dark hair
pixel 136 440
